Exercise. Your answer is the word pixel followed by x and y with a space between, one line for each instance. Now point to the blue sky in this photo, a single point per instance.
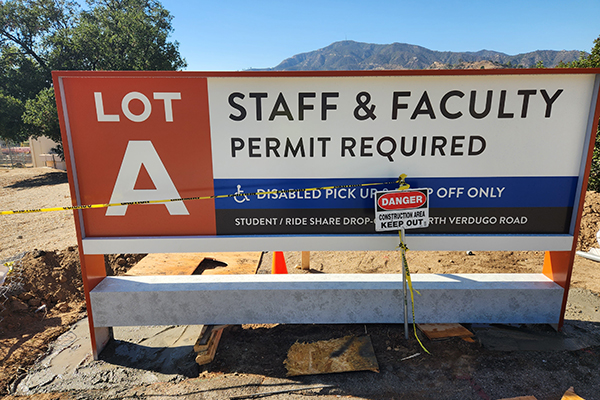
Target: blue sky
pixel 231 35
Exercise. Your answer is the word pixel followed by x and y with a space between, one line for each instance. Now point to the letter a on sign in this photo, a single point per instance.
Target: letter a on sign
pixel 140 153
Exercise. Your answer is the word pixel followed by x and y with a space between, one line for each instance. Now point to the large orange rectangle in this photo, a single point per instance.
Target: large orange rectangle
pixel 162 124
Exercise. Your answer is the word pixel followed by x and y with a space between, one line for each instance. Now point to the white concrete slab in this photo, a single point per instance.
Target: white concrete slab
pixel 190 244
pixel 323 298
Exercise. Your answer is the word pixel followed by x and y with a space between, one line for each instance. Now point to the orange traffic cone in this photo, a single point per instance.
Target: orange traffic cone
pixel 278 263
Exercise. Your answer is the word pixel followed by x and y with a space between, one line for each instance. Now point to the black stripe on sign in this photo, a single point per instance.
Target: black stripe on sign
pixel 538 220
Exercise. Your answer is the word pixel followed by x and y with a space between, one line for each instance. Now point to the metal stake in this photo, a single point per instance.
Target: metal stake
pixel 404 284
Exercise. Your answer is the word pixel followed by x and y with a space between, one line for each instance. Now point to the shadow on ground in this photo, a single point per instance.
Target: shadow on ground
pixel 164 360
pixel 51 178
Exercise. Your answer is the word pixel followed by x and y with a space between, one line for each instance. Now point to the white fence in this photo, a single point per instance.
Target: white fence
pixel 15 156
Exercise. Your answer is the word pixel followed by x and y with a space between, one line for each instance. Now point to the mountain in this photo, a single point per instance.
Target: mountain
pixel 350 55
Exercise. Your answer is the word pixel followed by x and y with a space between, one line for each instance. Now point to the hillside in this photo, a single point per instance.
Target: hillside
pixel 350 55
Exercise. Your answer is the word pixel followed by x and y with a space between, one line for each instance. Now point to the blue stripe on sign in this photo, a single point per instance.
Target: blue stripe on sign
pixel 445 192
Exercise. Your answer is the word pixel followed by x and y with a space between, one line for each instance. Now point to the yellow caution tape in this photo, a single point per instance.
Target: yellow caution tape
pixel 402 182
pixel 10 265
pixel 403 251
pixel 222 196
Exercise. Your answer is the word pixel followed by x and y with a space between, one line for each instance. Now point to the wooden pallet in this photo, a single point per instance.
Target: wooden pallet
pixel 444 331
pixel 207 343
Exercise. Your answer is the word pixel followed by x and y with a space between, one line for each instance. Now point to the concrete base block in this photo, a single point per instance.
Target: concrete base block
pixel 323 299
pixel 486 298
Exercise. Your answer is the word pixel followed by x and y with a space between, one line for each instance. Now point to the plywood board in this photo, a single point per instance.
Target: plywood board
pixel 167 264
pixel 350 353
pixel 443 331
pixel 238 263
pixel 234 263
pixel 570 395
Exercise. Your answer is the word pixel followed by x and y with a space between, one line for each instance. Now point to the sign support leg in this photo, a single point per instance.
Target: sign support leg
pixel 93 270
pixel 558 266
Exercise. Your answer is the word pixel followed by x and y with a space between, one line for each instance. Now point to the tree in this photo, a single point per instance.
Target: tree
pixel 30 25
pixel 20 75
pixel 19 80
pixel 25 29
pixel 591 60
pixel 11 110
pixel 119 35
pixel 38 36
pixel 41 116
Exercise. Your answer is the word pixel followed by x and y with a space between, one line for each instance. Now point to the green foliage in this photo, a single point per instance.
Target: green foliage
pixel 594 180
pixel 41 117
pixel 20 75
pixel 11 110
pixel 591 60
pixel 38 36
pixel 119 35
pixel 31 24
pixel 20 79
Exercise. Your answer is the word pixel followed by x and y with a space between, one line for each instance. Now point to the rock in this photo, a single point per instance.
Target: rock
pixel 121 261
pixel 62 307
pixel 34 302
pixel 38 253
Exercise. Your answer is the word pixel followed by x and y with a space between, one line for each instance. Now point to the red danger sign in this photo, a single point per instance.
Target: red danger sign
pixel 401 200
pixel 401 209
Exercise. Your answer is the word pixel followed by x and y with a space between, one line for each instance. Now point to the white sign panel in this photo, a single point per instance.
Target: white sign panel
pixel 493 149
pixel 503 153
pixel 442 126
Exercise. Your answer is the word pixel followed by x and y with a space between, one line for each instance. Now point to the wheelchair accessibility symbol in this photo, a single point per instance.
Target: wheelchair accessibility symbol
pixel 240 199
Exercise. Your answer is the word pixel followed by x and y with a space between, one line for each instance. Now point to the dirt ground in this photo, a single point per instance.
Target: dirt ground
pixel 51 299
